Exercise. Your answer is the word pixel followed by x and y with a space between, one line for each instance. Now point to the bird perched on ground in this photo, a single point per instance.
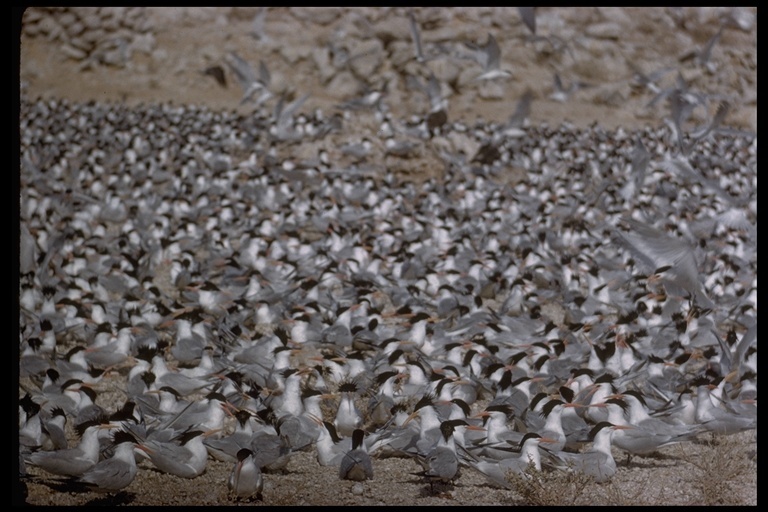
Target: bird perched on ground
pixel 207 414
pixel 644 439
pixel 348 416
pixel 185 455
pixel 597 461
pixel 441 465
pixel 356 463
pixel 226 448
pixel 246 481
pixel 71 461
pixel 552 425
pixel 499 435
pixel 53 424
pixel 117 472
pixel 518 460
pixel 330 448
pixel 719 419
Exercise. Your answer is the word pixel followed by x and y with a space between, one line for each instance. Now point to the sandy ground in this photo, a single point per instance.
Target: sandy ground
pixel 188 41
pixel 604 45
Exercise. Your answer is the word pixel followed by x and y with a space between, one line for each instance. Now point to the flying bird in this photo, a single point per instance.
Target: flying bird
pixel 489 56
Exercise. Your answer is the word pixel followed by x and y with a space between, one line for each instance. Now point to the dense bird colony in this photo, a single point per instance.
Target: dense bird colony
pixel 205 286
pixel 199 285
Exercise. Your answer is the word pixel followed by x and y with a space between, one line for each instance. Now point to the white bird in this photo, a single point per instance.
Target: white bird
pixel 640 160
pixel 645 439
pixel 514 126
pixel 258 26
pixel 108 350
pixel 553 425
pixel 246 480
pixel 293 424
pixel 379 407
pixel 411 438
pixel 184 384
pixel 442 464
pixel 648 80
pixel 163 403
pixel 638 413
pixel 207 414
pixel 489 56
pixel 117 472
pixel 597 461
pixel 518 460
pixel 283 128
pixel 348 416
pixel 703 56
pixel 596 393
pixel 71 461
pixel 227 447
pixel 185 455
pixel 668 257
pixel 499 436
pixel 329 447
pixel 53 424
pixel 562 94
pixel 250 83
pixel 190 339
pixel 529 455
pixel 715 416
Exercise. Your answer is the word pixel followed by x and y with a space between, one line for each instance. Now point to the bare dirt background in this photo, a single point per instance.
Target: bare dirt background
pixel 166 50
pixel 165 60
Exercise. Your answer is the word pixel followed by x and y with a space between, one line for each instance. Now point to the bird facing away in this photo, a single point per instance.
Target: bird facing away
pixel 356 463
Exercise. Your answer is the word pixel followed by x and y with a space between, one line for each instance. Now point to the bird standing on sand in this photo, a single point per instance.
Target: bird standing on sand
pixel 246 481
pixel 185 455
pixel 441 465
pixel 117 472
pixel 356 463
pixel 71 461
pixel 598 461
